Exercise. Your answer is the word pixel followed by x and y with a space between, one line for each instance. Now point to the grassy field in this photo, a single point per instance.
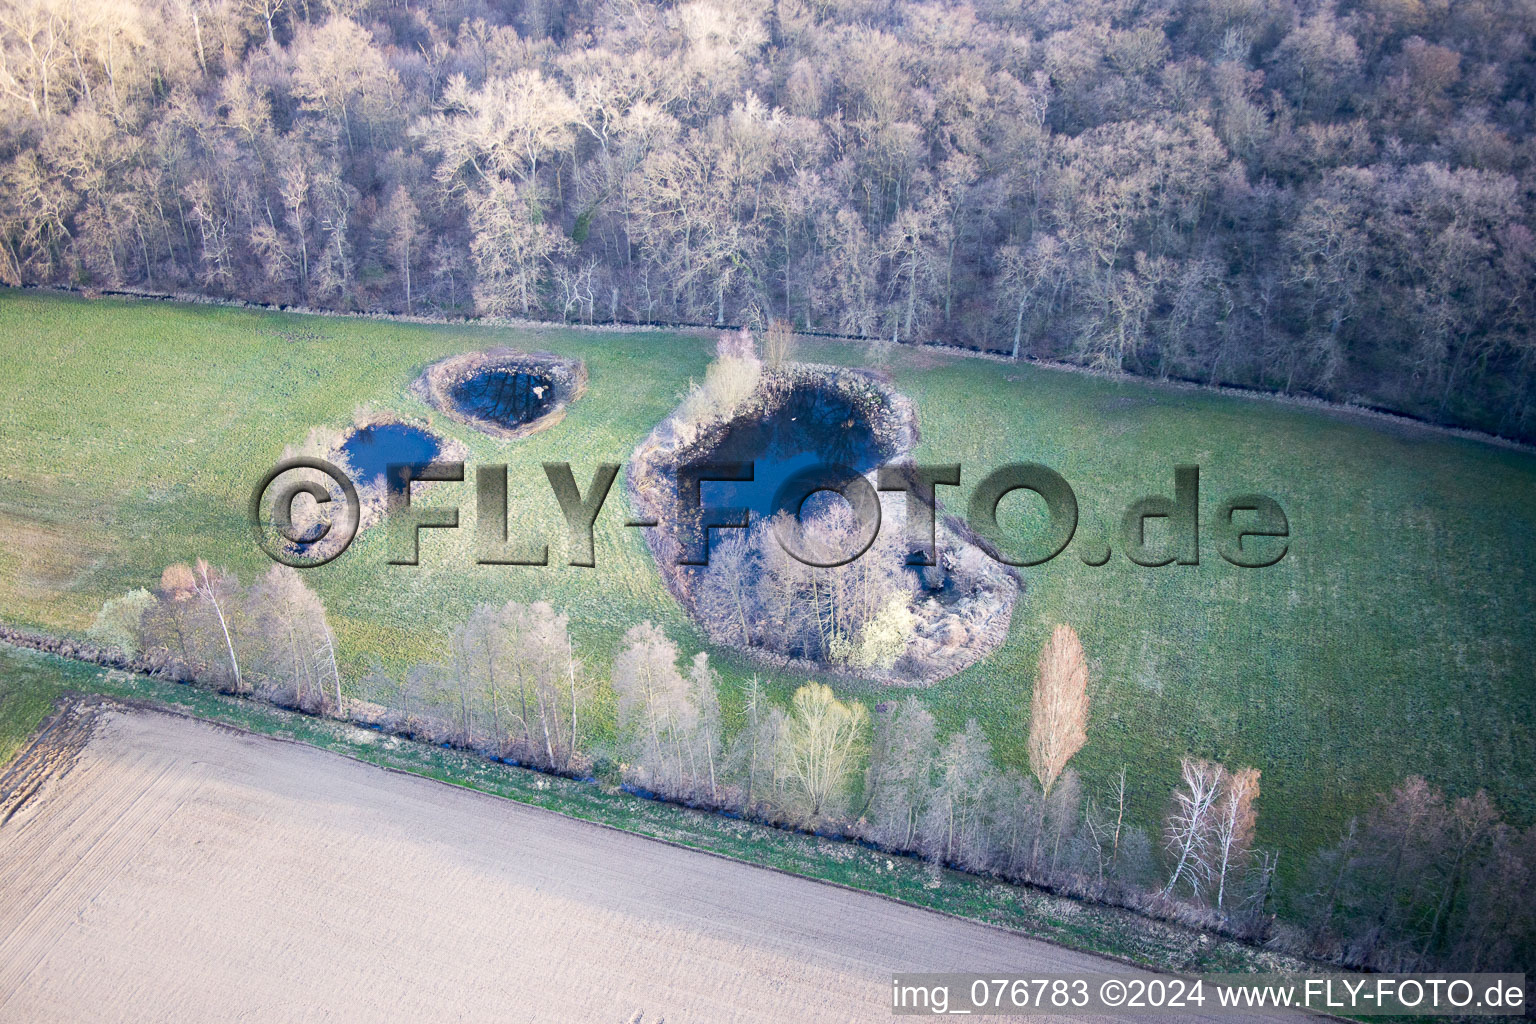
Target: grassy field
pixel 1397 636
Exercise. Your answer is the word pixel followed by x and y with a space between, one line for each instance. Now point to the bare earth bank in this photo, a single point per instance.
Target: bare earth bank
pixel 183 872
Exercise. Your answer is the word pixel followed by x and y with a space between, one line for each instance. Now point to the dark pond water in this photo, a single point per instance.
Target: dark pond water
pixel 506 397
pixel 814 427
pixel 371 450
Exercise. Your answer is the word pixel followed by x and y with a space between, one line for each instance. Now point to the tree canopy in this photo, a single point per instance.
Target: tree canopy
pixel 1330 197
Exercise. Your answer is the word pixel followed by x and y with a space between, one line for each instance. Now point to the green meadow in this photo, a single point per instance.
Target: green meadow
pixel 1397 635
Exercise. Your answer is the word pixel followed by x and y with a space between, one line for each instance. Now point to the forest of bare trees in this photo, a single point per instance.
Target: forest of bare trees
pixel 1422 881
pixel 1329 197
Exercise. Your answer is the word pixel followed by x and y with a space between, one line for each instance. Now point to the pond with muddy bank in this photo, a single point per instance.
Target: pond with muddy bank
pixel 502 392
pixel 831 590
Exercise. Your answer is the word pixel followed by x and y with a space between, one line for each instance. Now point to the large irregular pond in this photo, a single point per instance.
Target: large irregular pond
pixel 371 450
pixel 855 604
pixel 814 427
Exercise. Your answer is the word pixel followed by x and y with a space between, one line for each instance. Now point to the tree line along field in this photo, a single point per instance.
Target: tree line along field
pixel 1394 638
pixel 34 681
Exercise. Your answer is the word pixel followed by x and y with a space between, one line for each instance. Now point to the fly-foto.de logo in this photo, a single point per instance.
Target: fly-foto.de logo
pixel 306 511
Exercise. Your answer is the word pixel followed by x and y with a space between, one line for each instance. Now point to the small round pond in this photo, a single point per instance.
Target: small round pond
pixel 502 392
pixel 372 449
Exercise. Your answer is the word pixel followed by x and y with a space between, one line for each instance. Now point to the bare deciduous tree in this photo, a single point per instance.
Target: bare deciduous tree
pixel 1104 824
pixel 215 589
pixel 821 746
pixel 1188 831
pixel 1234 819
pixel 956 827
pixel 899 781
pixel 295 656
pixel 669 723
pixel 779 343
